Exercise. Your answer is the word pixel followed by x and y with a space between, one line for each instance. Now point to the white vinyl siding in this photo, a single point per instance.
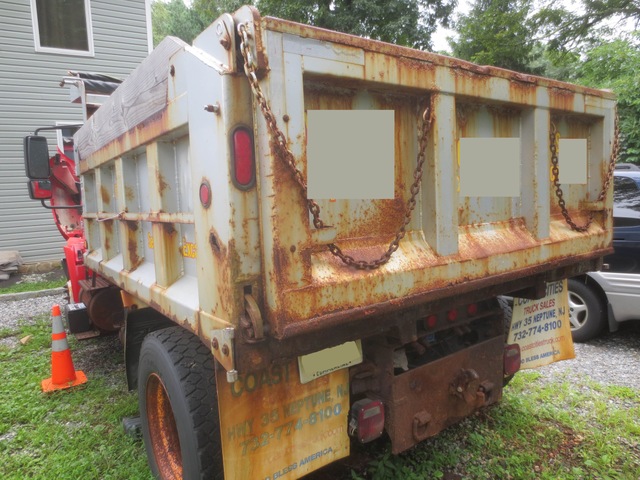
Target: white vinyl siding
pixel 30 97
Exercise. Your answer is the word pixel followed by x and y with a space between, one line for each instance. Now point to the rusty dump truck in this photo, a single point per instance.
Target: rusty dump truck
pixel 267 326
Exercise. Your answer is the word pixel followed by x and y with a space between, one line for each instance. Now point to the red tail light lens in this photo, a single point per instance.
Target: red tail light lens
pixel 205 194
pixel 243 164
pixel 431 321
pixel 472 308
pixel 452 315
pixel 366 420
pixel 511 359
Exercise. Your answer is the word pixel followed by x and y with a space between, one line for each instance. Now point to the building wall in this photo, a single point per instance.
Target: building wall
pixel 30 97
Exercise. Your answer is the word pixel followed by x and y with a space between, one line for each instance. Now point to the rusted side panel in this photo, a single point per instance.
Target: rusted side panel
pixel 158 241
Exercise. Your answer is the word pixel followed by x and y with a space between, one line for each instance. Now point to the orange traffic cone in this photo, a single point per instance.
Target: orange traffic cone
pixel 63 375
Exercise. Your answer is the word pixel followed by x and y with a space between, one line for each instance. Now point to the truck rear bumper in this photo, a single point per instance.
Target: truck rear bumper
pixel 429 398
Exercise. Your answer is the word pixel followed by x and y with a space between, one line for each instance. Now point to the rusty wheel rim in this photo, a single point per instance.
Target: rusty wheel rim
pixel 163 431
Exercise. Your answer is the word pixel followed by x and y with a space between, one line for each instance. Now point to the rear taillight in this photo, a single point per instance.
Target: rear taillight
pixel 472 308
pixel 431 321
pixel 366 420
pixel 452 315
pixel 205 194
pixel 243 164
pixel 511 359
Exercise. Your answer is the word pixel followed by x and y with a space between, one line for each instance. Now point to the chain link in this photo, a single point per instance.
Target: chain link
pixel 279 144
pixel 554 138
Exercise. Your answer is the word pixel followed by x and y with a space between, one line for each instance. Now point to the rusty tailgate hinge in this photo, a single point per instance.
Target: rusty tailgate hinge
pixel 223 349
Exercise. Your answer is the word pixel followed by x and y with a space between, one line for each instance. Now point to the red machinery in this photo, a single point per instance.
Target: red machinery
pixel 55 178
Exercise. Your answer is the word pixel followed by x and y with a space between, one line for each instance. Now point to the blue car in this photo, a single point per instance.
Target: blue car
pixel 600 300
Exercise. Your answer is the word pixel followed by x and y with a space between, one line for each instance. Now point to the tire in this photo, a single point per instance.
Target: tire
pixel 585 312
pixel 178 406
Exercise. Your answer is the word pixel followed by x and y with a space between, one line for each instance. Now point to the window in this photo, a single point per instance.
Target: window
pixel 62 26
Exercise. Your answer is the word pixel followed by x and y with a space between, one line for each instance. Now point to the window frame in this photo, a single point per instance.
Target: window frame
pixel 63 51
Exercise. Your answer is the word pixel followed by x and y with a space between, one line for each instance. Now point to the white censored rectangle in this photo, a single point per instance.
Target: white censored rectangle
pixel 572 161
pixel 490 167
pixel 350 154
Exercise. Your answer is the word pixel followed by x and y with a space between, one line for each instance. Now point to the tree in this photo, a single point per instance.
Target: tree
pixel 615 65
pixel 175 18
pixel 497 32
pixel 404 22
pixel 567 29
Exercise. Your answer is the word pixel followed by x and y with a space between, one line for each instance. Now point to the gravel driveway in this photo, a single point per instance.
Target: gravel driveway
pixel 612 359
pixel 12 313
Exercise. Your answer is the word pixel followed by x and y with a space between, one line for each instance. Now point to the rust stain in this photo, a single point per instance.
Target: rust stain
pixel 561 99
pixel 105 194
pixel 472 83
pixel 523 92
pixel 133 246
pixel 506 121
pixel 129 193
pixel 216 245
pixel 162 184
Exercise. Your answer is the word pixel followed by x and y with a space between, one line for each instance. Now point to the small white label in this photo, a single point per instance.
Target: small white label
pixel 318 364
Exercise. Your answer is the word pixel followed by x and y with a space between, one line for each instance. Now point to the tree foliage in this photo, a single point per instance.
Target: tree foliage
pixel 615 65
pixel 175 18
pixel 568 30
pixel 404 22
pixel 496 32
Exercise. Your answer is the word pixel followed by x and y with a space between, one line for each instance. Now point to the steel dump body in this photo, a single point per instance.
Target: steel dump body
pixel 146 153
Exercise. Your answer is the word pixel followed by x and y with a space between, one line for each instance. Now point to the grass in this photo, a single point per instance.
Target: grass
pixel 32 286
pixel 559 430
pixel 69 434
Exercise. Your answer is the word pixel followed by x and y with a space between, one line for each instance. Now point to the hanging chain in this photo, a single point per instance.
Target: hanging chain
pixel 555 171
pixel 279 144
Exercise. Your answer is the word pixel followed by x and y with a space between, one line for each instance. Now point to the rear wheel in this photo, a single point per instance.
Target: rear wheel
pixel 585 311
pixel 178 406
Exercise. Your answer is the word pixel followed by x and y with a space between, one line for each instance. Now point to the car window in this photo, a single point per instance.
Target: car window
pixel 626 193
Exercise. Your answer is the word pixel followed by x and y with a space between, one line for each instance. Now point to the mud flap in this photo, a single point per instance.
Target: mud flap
pixel 272 426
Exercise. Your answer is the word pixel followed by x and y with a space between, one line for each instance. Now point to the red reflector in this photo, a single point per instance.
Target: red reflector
pixel 472 308
pixel 511 359
pixel 366 420
pixel 452 315
pixel 243 157
pixel 432 321
pixel 205 194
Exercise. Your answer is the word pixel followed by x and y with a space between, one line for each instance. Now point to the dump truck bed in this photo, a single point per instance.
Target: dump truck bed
pixel 151 233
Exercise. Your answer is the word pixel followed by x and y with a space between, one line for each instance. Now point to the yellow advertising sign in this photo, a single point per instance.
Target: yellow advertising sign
pixel 273 427
pixel 541 327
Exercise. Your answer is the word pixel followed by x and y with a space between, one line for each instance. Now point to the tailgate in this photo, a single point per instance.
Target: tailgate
pixel 476 221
